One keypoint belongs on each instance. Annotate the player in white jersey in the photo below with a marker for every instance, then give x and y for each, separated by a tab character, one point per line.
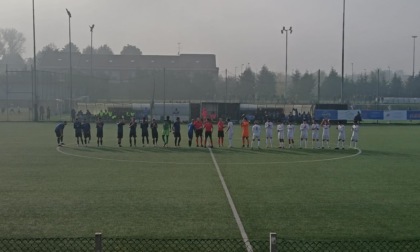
256	133
304	127
325	124
268	133
315	134
280	134
291	134
229	131
354	134
341	135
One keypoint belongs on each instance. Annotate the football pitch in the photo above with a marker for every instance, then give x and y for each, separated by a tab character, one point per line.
174	193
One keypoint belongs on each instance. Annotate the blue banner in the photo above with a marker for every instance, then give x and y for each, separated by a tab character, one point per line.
373	114
325	114
413	115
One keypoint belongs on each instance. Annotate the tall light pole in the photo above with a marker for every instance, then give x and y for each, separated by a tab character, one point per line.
71	69
342	51
284	30
91	49
414	53
35	105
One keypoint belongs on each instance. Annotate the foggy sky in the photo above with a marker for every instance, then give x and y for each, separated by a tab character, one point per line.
378	32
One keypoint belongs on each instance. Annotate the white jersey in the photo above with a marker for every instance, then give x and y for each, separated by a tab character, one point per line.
230	130
256	130
290	131
341	132
268	129
325	132
355	133
315	131
280	131
304	127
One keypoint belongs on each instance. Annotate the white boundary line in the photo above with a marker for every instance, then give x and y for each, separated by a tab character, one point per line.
232	205
59	149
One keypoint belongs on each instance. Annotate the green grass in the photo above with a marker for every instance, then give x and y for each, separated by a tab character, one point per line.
176	192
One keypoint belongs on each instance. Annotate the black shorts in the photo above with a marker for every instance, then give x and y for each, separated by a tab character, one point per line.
120	135
133	134
86	134
78	134
145	134
100	134
177	134
220	134
58	133
155	134
199	132
208	134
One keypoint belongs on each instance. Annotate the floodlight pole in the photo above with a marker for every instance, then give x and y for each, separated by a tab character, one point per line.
414	53
91	49
35	105
71	68
342	52
287	41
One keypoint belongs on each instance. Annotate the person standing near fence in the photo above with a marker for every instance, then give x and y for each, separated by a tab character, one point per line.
99	131
315	134
155	135
48	113
304	127
325	124
229	131
354	135
176	128
190	132
256	133
268	133
86	131
291	134
59	132
208	127
77	125
133	132
165	131
245	132
198	126
120	131
144	125
280	134
220	132
341	135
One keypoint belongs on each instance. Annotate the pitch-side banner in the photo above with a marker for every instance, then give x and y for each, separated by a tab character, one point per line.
346	114
395	115
413	115
373	114
325	114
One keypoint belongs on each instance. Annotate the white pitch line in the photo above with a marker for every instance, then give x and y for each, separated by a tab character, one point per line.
232	205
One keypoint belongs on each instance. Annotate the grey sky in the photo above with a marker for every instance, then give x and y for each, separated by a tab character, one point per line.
378	32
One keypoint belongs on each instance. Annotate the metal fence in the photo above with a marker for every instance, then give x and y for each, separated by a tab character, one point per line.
121	244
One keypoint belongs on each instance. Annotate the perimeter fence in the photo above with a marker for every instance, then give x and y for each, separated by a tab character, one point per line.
108	244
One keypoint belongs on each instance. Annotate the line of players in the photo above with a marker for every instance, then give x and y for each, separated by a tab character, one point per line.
197	126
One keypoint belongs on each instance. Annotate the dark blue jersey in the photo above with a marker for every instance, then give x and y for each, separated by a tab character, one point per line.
190	128
86	127
144	126
99	126
133	127
154	127
120	127
77	126
177	127
59	127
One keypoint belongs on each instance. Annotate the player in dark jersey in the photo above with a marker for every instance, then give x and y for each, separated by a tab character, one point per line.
144	125
59	130
86	131
155	135
77	125
99	130
133	131
176	128
190	132
120	131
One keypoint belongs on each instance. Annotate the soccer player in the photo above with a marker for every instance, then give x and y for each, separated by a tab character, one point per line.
304	127
198	126
155	135
291	134
325	124
256	133
176	128
315	134
220	132
165	131
354	134
86	131
268	133
341	135
190	132
208	127
245	132
99	130
59	131
280	134
77	125
229	131
120	131
144	125
133	131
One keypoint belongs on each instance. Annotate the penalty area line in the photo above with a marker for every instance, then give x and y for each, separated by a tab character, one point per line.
232	205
